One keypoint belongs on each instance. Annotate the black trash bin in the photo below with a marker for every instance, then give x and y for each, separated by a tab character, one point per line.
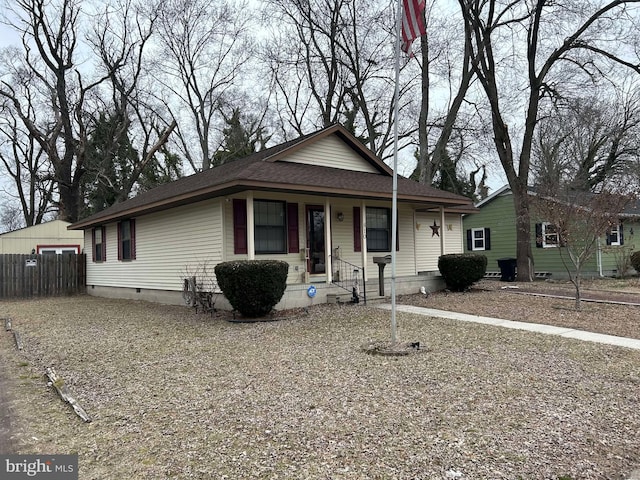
507	269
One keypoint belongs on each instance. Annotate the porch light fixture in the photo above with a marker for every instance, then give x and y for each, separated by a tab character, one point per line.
340	216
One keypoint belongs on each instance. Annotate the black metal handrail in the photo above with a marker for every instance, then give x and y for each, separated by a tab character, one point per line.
349	277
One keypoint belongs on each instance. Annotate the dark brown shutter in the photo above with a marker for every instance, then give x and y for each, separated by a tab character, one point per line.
487	239
104	243
469	240
539	238
119	240
357	231
93	244
239	226
292	228
132	241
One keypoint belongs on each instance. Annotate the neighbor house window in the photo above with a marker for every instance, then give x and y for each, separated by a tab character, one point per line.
270	226
478	239
378	229
127	240
99	244
614	236
547	235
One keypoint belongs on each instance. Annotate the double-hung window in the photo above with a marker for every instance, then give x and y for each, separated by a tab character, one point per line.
378	229
270	226
478	239
614	236
99	240
127	240
550	235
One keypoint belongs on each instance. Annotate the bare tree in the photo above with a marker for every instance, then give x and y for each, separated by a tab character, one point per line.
49	37
120	39
588	143
553	34
27	167
206	47
577	221
57	93
441	127
332	62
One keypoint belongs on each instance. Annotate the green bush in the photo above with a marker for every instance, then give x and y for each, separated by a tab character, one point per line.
635	261
461	270
253	287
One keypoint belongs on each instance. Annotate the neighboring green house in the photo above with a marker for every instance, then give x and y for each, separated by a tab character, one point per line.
492	232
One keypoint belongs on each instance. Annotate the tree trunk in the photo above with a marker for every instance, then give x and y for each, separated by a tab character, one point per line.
578	292
425	169
523	234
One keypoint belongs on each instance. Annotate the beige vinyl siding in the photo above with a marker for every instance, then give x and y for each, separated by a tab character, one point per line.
428	246
169	245
342	234
331	152
25	240
405	261
296	261
453	234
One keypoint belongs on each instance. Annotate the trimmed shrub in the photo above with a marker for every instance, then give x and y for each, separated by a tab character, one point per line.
253	287
461	270
635	261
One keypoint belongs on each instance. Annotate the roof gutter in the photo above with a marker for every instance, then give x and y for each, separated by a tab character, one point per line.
239	185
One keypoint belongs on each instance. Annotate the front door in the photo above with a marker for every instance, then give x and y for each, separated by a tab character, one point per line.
315	239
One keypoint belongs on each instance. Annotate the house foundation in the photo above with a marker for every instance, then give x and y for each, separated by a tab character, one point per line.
295	296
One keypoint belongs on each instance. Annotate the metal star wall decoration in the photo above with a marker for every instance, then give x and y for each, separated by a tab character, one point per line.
435	229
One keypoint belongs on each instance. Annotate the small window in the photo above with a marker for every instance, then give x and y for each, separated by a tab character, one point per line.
613	237
126	240
550	237
378	229
99	250
478	239
270	226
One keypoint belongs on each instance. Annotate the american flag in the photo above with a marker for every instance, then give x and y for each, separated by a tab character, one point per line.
412	22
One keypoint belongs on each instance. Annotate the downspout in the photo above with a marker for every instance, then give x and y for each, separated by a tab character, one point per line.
599	258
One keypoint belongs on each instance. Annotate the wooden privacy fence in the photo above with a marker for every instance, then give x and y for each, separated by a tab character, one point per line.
41	275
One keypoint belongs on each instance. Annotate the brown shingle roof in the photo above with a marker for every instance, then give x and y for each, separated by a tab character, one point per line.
269	170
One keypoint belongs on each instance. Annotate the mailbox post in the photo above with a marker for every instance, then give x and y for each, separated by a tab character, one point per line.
381	262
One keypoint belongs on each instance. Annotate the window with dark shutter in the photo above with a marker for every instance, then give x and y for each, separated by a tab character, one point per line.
127	240
98	244
378	229
270	226
478	239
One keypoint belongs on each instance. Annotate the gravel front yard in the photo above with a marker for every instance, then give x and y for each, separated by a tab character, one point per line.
178	395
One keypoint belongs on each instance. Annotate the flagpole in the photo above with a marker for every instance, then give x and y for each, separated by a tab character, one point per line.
394	196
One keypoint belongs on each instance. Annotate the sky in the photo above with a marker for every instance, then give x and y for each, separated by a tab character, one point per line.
8	36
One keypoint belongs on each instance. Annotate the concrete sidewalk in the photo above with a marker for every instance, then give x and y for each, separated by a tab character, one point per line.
531	327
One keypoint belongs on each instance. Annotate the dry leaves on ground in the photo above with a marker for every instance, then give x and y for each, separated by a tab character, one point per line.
508	301
178	395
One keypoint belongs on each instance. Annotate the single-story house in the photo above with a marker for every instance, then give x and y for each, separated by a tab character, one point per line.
46	238
491	231
321	202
